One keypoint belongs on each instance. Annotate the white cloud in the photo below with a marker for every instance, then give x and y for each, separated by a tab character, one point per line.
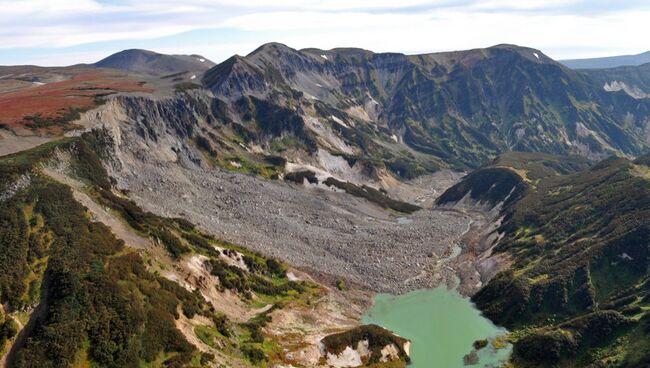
553	26
455	29
323	21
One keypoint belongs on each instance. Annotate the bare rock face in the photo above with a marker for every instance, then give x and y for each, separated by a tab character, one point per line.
12	188
157	161
456	106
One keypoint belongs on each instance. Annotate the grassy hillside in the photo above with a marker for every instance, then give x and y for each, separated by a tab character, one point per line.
578	290
83	297
510	176
89	297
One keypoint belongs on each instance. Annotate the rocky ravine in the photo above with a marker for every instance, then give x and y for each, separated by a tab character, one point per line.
311	227
308	227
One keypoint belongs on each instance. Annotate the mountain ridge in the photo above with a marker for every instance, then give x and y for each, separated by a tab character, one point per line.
459	93
608	61
333	161
150	62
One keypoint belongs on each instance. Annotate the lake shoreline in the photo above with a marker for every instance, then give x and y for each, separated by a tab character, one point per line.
442	325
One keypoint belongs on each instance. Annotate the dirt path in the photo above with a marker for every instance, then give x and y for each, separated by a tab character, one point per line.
121	230
99	213
11	143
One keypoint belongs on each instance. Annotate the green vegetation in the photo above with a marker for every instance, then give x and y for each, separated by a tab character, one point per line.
245	165
287	142
300	176
340	284
535	165
93	291
578	288
185	86
99	305
373	195
8	330
490	186
37	122
266	278
173	245
95	295
510	176
377	337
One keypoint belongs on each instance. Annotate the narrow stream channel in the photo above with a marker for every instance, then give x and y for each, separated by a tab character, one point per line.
442	326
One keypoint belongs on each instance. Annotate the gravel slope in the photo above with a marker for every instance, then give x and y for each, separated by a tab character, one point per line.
312	228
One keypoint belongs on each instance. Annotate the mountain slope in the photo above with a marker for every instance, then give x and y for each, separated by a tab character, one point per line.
90	279
149	62
608	62
329	138
633	80
462	107
577	291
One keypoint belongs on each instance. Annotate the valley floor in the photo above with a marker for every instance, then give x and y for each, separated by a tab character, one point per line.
334	235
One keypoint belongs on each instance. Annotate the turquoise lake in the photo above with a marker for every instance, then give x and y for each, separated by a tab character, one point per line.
442	326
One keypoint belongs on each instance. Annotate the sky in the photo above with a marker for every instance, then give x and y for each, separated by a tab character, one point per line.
64	32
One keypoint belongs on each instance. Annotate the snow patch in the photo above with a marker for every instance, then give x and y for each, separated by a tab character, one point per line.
38	83
537	56
324	57
193	77
372	100
394	137
634	91
202	60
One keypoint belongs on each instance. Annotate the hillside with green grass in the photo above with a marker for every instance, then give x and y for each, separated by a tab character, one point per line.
578	290
80	294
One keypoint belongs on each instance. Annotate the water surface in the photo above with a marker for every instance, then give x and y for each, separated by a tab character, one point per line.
442	326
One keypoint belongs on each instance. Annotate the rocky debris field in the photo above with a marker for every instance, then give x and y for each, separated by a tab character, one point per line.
309	227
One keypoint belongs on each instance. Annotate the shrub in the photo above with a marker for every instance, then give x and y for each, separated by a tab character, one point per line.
340	284
546	346
254	354
372	195
300	176
198	241
377	337
173	245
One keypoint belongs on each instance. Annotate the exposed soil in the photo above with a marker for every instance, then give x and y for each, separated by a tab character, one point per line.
11	143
